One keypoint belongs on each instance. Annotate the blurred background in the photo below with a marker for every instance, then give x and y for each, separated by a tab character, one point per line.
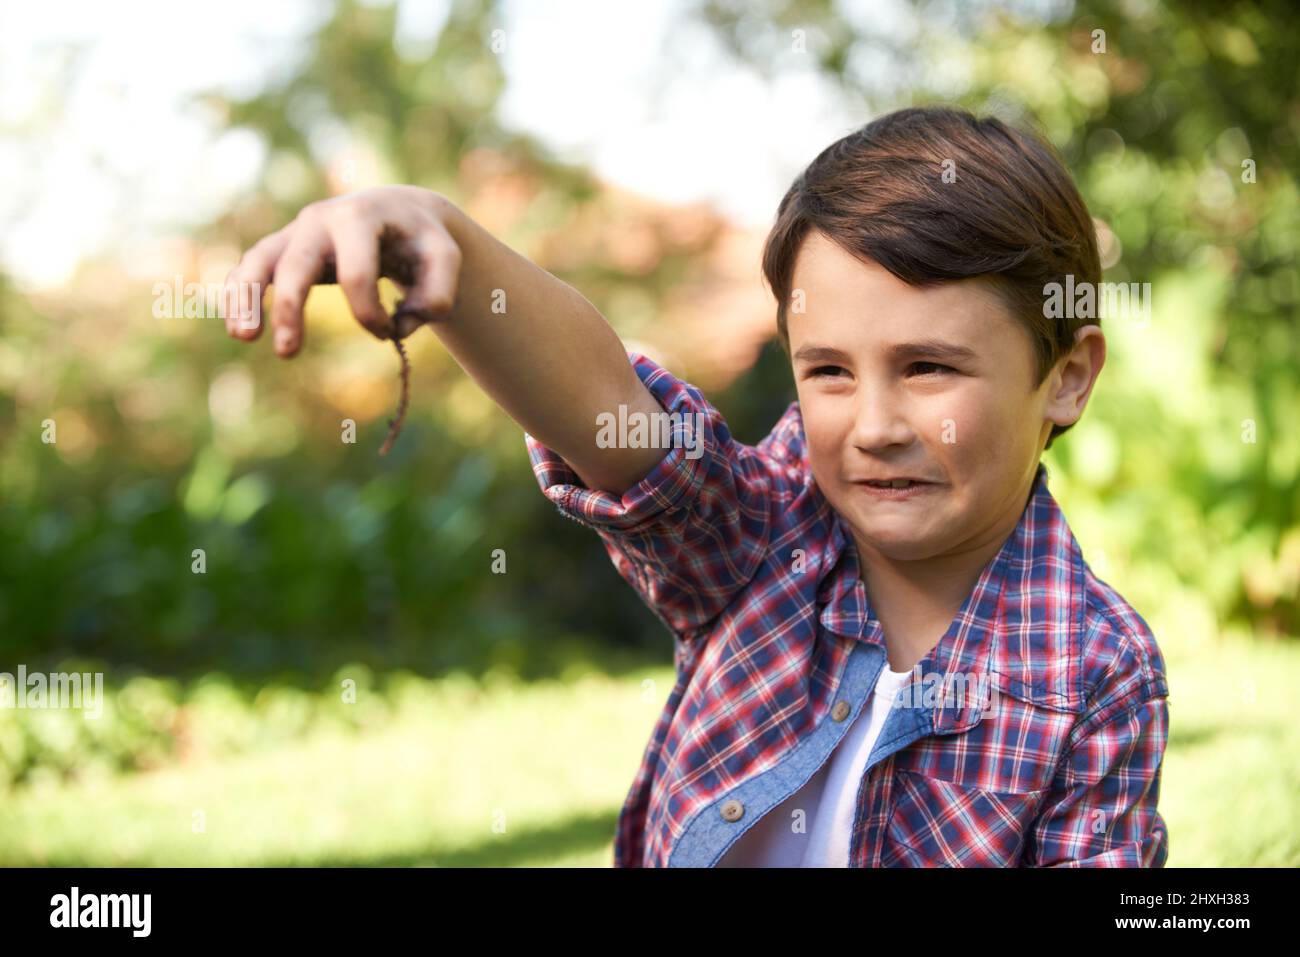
198	532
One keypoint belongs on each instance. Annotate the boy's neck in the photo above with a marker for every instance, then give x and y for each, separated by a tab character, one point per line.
916	601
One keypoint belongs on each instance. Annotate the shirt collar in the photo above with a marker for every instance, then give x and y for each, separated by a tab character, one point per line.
1036	579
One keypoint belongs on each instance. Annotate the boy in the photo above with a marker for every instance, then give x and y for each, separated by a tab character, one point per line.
891	540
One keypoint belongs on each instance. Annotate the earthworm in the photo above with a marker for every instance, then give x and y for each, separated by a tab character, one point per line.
395	423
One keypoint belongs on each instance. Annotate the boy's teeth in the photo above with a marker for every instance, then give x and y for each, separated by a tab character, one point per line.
901	483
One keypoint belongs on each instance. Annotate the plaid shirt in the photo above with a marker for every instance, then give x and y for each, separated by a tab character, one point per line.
738	553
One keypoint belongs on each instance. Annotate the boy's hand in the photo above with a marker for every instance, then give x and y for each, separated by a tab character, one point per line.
395	231
533	343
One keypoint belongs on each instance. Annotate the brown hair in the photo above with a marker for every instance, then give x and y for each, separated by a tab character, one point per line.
1013	215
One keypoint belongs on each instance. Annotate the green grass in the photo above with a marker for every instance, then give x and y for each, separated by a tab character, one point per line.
508	774
1230	792
512	775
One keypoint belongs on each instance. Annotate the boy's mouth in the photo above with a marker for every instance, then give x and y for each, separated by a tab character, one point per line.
893	481
895	488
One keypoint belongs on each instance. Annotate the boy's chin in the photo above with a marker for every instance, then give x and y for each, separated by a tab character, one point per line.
902	545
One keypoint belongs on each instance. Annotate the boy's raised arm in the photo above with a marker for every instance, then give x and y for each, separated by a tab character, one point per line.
531	341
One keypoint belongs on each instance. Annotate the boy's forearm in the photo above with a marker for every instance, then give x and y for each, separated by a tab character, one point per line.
544	354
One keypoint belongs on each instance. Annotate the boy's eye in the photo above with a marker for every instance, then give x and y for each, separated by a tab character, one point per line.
826	371
930	368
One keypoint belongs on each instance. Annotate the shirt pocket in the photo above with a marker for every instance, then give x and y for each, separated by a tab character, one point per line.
935	823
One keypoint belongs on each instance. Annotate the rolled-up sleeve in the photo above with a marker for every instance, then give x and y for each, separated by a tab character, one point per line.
693	532
1101	811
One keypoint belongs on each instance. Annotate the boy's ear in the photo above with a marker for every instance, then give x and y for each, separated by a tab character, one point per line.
1072	380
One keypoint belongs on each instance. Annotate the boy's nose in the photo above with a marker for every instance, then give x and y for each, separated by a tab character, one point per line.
880	422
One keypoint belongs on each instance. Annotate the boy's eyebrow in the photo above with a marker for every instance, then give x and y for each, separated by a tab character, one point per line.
930	349
920	349
820	354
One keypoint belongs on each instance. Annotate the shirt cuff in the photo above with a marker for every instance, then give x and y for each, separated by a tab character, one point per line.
672	484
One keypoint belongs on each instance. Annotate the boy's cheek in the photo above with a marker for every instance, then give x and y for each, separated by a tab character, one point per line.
975	429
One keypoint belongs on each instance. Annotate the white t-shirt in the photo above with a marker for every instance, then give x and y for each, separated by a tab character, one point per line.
828	798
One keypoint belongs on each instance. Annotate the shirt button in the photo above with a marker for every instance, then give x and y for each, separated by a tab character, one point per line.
732	810
841	710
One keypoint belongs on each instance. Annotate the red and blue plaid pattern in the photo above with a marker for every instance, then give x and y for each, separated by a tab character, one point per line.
776	652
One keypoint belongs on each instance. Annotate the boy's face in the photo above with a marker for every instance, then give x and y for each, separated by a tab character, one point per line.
935	384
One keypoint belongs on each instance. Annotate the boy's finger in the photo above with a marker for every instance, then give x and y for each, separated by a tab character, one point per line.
356	264
434	292
408	319
241	297
295	272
